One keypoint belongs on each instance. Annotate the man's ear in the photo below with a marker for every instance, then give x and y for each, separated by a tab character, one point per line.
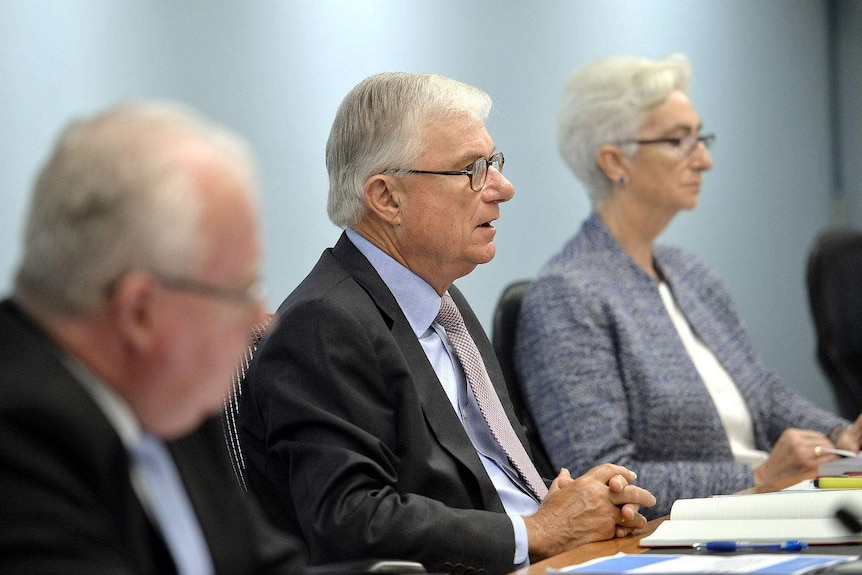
383	198
132	301
612	162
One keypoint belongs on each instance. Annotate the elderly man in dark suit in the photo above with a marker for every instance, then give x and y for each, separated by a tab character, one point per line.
375	419
130	308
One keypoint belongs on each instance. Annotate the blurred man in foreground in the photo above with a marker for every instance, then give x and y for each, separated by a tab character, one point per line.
131	305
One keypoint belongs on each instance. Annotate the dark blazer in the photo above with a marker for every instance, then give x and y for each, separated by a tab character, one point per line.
67	503
349	438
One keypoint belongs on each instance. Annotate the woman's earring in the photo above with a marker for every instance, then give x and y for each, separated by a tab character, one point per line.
622	180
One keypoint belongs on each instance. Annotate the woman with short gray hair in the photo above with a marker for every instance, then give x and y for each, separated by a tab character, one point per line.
633	353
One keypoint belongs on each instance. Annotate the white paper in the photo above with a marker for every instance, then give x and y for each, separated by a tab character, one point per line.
775	563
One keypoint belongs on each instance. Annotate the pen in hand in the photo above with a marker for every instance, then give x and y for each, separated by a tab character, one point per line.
745	546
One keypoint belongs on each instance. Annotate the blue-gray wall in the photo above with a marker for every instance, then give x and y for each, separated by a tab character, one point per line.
847	17
276	71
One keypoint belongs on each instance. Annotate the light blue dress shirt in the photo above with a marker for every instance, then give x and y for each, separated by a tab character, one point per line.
420	304
157	482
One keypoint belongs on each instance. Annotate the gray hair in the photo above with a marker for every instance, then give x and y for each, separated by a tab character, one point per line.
379	125
604	103
115	196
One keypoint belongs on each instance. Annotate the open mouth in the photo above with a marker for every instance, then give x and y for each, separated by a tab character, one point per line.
488	224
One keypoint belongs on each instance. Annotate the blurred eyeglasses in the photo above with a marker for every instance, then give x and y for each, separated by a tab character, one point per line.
248	296
684	145
478	172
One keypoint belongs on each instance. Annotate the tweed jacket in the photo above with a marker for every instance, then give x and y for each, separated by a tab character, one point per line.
607	378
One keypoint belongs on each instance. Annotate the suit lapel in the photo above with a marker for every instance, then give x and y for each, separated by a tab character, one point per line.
439	415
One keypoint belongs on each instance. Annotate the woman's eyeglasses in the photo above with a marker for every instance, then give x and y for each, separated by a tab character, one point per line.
684	144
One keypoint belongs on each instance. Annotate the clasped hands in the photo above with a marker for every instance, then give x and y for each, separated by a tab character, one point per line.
598	505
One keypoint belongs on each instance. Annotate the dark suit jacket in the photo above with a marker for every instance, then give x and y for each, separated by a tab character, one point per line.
349	438
66	499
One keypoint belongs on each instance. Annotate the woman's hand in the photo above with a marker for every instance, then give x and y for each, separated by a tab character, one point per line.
851	437
797	451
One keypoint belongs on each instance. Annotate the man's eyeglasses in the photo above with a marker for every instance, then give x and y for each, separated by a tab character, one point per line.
478	172
244	296
685	145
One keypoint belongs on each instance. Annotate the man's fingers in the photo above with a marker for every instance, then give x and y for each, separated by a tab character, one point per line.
634	495
629	520
617	483
561	480
606	471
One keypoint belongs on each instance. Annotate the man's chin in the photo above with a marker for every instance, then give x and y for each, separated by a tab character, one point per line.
486	254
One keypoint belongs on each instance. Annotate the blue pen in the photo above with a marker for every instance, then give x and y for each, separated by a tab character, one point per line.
745	546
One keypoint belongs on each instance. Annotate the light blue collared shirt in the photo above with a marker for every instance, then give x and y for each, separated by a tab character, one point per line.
420	304
187	546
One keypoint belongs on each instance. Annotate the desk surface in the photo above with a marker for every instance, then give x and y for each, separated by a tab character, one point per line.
592	550
629	544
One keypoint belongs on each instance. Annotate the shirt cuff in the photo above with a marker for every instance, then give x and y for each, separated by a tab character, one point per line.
522	555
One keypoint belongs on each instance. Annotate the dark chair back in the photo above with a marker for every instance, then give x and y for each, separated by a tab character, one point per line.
834	278
503	337
231	403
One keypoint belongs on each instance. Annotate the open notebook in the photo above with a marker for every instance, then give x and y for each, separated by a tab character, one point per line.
760	518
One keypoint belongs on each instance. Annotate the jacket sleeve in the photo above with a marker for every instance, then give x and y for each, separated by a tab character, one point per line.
332	391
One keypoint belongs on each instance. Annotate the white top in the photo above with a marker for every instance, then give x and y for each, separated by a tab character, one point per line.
731	406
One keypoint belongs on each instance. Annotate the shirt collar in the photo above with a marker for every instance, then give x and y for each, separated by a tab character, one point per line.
116	410
416	298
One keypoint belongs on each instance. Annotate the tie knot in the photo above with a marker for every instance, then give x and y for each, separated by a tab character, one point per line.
449	316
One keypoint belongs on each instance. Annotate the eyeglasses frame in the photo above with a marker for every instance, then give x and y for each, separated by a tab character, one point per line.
249	296
489	163
706	139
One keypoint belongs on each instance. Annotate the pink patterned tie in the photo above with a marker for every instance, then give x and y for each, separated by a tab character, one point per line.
489	403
